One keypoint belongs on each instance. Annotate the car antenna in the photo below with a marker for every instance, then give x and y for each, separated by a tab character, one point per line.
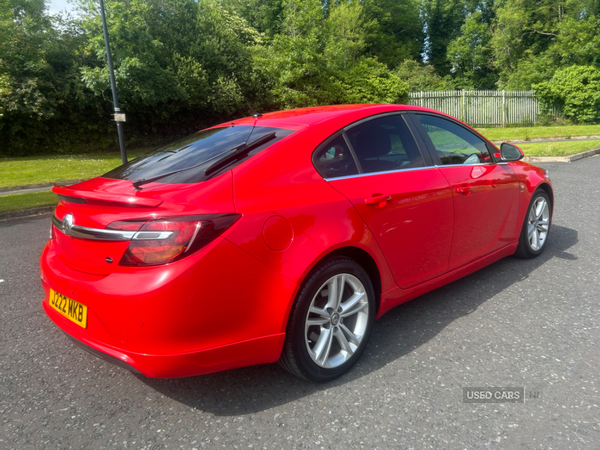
255	115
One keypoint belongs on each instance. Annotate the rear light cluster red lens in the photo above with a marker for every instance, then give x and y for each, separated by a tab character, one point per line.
175	237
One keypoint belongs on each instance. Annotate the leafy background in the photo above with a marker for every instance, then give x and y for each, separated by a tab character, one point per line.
182	65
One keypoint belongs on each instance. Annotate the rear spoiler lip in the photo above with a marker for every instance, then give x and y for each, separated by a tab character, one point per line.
117	199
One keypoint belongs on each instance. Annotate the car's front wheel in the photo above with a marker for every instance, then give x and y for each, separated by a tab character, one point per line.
536	226
330	322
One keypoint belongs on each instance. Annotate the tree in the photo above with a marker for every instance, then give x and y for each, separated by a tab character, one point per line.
471	55
575	91
578	41
422	77
443	21
394	30
525	28
532	39
25	75
198	76
266	16
40	87
141	68
320	60
293	65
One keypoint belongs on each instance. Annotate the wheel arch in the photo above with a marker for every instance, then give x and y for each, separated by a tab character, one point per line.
546	188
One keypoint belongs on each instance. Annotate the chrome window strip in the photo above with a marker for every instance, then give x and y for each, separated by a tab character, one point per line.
469	165
368	174
358	175
98	234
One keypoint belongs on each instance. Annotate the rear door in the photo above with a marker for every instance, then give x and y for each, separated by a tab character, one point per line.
485	192
404	200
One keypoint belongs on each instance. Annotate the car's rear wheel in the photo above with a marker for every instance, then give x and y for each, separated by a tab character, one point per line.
330	322
536	226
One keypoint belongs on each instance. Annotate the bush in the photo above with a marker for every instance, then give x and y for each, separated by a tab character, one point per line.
575	91
422	77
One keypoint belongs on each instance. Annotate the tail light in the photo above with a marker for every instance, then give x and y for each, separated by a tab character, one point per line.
160	241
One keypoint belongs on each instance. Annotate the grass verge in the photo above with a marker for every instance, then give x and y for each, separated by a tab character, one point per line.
23	171
525	133
16	202
558	148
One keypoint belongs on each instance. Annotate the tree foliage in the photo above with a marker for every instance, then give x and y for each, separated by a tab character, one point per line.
471	55
422	77
185	64
575	90
318	60
394	30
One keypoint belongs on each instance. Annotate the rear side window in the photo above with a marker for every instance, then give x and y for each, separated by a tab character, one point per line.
385	144
191	156
333	158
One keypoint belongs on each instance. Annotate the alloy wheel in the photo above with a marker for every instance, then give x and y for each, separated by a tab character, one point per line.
337	320
539	223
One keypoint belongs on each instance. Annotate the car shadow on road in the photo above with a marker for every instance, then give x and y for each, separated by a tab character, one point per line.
397	333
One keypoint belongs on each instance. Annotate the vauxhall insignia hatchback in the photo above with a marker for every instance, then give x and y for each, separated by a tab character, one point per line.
283	237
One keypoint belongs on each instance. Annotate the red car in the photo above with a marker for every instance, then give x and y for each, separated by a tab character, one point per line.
282	237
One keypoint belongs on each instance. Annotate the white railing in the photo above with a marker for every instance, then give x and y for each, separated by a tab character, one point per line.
483	108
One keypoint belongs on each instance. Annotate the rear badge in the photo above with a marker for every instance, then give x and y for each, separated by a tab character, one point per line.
68	223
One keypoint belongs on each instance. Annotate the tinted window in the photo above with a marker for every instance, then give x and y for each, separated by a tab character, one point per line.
453	143
334	159
384	144
194	154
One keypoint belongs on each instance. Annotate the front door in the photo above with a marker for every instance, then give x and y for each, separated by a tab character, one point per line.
485	193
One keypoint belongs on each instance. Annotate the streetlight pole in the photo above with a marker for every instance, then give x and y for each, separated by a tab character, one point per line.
119	117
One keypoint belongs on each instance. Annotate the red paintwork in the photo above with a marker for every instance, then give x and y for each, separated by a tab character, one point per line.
227	305
420	200
486	200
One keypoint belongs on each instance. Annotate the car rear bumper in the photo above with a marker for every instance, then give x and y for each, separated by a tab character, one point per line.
202	362
215	310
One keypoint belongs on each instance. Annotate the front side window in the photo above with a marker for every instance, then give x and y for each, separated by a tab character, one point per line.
384	144
454	144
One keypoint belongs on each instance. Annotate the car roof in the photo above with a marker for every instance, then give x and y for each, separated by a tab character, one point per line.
296	119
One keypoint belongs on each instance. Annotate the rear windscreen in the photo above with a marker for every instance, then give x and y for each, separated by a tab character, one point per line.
194	154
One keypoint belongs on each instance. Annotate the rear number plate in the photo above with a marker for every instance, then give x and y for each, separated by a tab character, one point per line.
72	310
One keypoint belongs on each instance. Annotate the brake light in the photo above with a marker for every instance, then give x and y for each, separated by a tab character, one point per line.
174	237
126	225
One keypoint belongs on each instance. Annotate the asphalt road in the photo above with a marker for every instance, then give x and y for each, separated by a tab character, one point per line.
534	324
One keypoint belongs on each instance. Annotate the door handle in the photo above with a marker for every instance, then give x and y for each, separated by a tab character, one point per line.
466	190
378	200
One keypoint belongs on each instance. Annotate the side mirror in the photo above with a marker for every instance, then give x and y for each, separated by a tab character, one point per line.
510	152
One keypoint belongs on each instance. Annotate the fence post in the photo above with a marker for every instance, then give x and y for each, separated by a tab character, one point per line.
463	106
422	101
503	107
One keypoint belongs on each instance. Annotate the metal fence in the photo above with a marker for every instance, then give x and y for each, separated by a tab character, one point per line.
483	108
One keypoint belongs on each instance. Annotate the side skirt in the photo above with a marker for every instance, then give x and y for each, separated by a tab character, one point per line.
397	296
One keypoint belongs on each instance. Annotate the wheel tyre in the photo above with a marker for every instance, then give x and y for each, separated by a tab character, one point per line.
295	356
541	221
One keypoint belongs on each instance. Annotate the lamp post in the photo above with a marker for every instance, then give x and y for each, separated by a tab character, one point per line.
119	117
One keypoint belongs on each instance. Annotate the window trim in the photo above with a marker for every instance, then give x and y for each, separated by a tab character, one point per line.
370	174
431	147
423	150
